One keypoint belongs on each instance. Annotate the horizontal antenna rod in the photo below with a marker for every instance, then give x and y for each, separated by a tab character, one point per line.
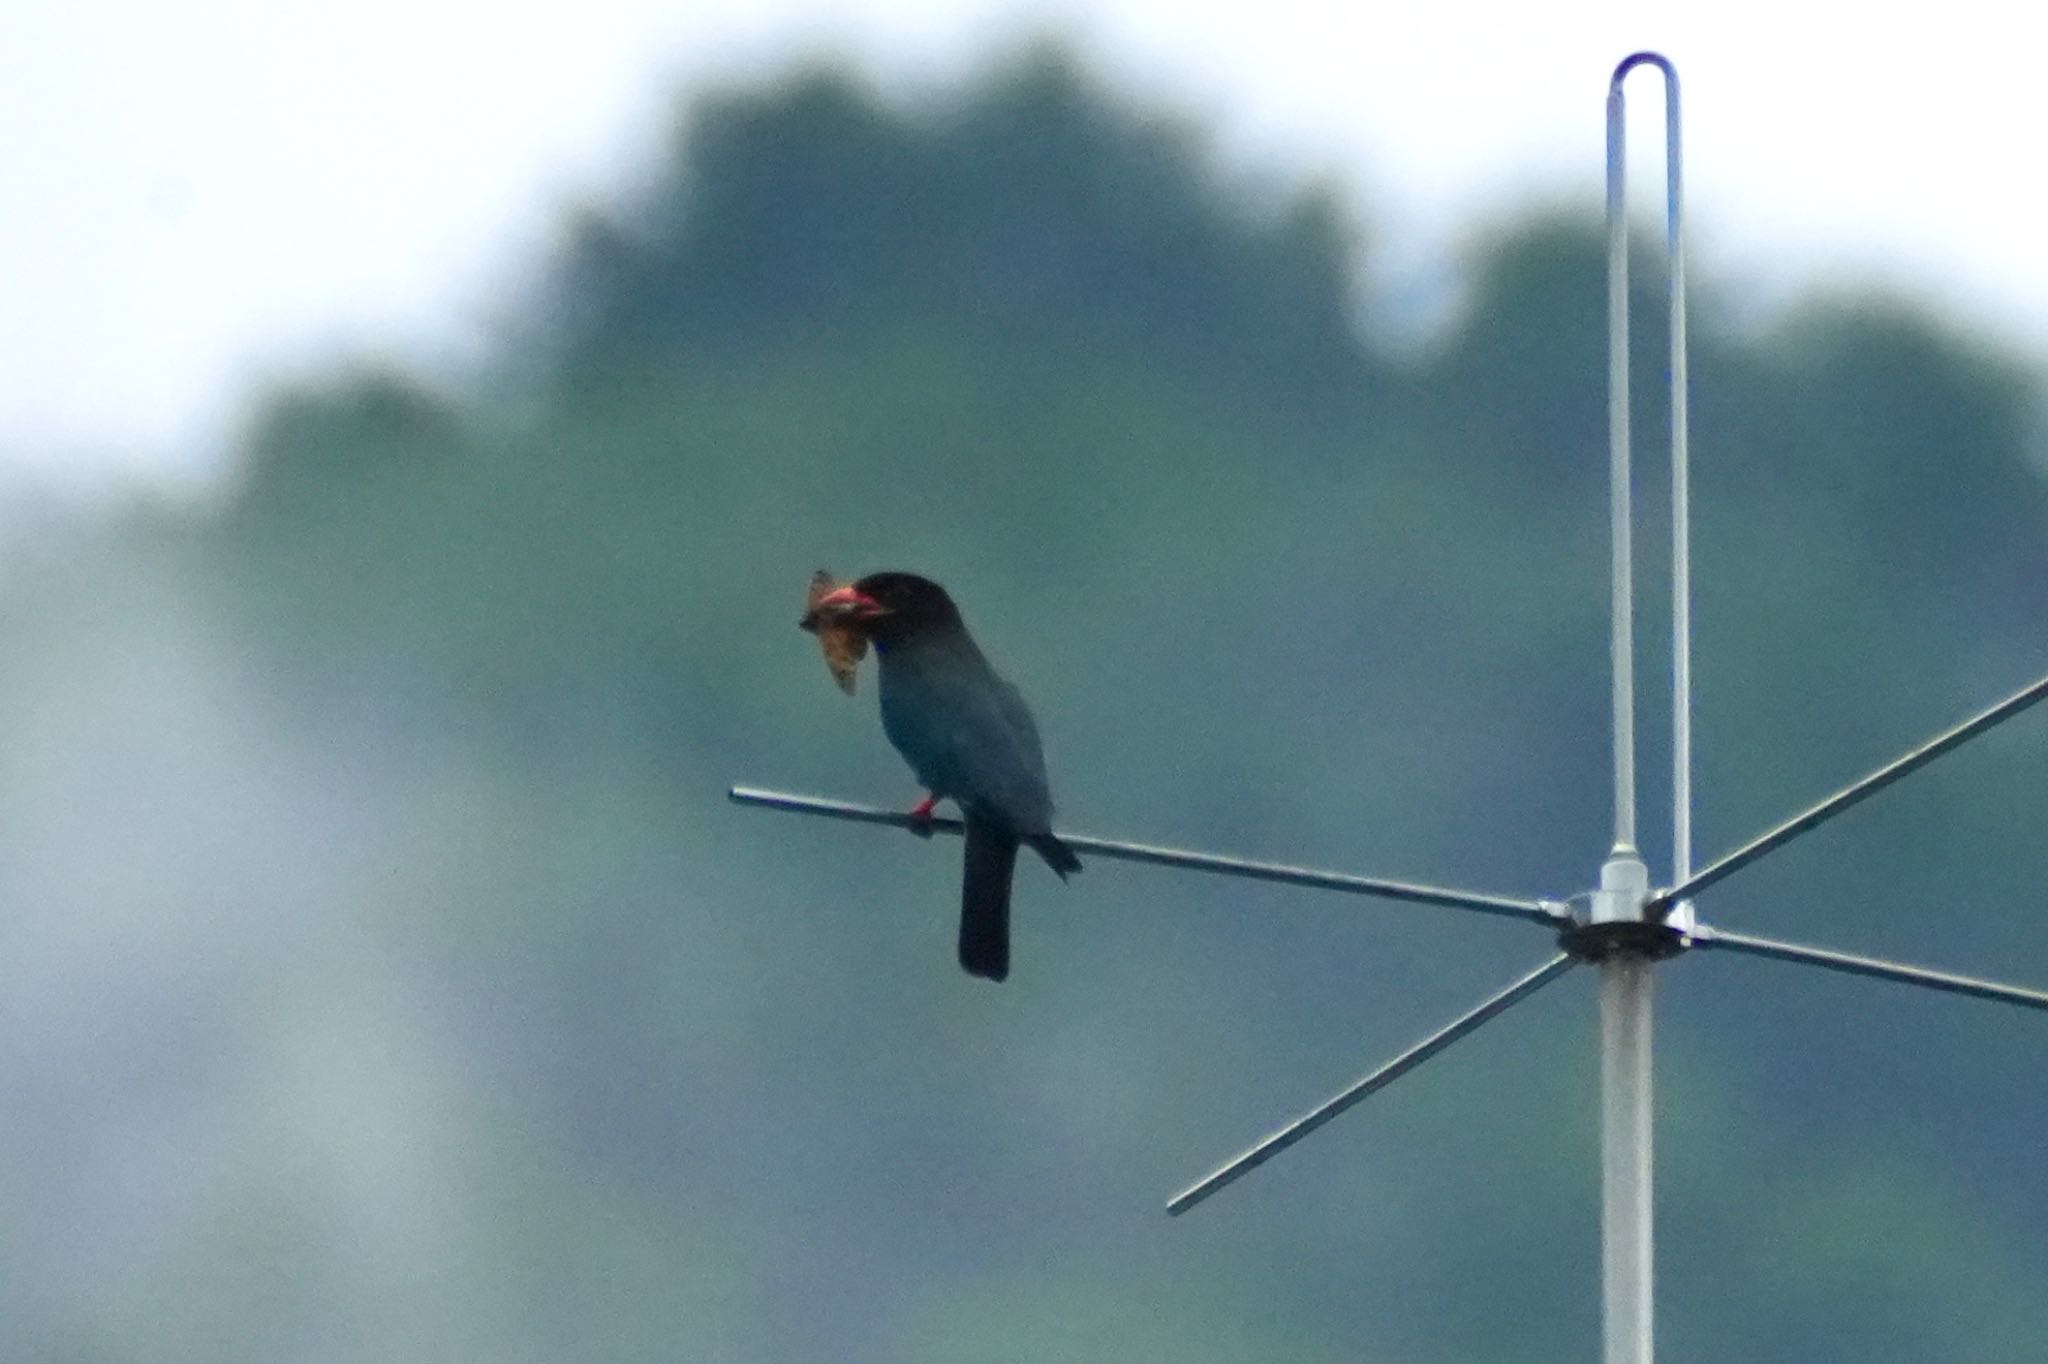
1851	964
1848	796
1378	1080
1535	911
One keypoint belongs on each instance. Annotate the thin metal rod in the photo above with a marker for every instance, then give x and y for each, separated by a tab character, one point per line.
1534	911
1851	794
1626	1155
1378	1080
1621	629
1681	490
1854	965
1627	1245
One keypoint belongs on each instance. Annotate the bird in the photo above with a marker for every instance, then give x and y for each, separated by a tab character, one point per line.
967	735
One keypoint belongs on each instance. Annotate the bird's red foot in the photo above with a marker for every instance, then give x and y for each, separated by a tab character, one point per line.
921	816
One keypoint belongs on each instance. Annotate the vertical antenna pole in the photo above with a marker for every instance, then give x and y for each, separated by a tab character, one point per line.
1626	1183
1621	641
1681	498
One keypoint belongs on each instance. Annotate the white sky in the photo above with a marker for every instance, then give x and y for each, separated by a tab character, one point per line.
204	194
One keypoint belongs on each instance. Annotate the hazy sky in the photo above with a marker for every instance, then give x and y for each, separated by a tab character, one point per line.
205	194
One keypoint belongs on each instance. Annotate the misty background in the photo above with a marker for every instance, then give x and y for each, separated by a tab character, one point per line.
387	977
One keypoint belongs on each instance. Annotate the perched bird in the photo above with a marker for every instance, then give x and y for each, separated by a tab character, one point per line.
967	735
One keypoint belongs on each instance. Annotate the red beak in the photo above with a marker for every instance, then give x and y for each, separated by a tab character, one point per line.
853	602
845	603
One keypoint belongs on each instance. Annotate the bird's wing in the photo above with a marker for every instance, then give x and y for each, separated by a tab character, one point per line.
968	735
1006	763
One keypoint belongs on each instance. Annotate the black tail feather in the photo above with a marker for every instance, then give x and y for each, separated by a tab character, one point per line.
1057	855
985	899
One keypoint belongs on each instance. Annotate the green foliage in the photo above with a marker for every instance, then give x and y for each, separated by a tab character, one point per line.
1032	207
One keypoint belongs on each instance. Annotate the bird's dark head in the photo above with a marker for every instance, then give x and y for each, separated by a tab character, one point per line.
892	607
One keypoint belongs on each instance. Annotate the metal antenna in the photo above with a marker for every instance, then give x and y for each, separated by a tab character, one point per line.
1627	1186
1626	930
1550	912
